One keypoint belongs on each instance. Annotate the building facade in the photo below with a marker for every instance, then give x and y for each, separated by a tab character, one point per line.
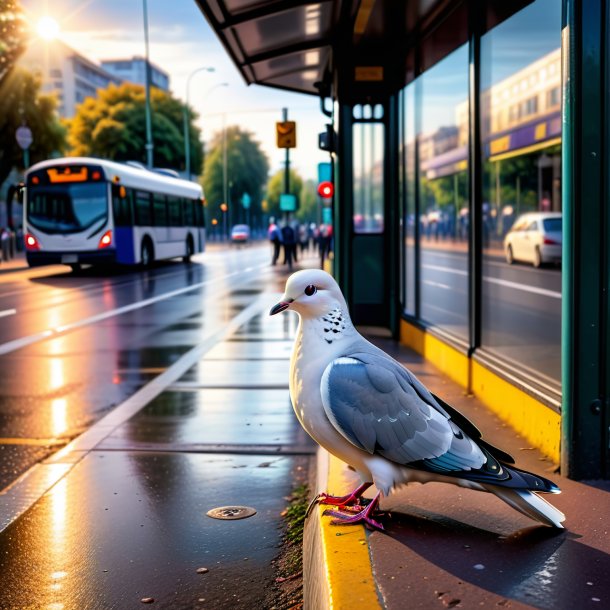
134	71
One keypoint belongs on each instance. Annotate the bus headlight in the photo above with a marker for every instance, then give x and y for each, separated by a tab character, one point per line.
106	240
31	243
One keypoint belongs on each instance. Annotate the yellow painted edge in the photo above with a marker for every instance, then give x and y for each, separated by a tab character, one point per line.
349	573
536	422
451	362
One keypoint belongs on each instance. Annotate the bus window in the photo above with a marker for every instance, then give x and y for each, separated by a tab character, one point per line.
142	209
121	206
199	219
160	210
187	206
174	208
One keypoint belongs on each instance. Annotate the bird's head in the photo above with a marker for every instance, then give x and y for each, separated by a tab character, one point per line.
311	293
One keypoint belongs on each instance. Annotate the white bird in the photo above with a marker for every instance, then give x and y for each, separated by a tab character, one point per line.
368	410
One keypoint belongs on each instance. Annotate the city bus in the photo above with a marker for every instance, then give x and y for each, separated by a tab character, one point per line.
90	211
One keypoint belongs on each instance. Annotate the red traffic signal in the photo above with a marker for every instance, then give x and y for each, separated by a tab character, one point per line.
326	190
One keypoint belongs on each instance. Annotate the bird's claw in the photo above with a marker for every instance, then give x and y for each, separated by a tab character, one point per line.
360	517
343	502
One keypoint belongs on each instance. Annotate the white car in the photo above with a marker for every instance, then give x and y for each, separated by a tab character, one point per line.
534	238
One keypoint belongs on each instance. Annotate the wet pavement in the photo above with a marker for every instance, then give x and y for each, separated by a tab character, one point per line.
127	522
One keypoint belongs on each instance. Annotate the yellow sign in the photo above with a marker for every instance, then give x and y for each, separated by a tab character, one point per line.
286	134
67	175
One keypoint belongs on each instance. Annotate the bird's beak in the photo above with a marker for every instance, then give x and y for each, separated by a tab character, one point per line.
280	306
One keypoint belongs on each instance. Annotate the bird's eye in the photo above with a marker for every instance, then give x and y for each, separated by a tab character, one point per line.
310	290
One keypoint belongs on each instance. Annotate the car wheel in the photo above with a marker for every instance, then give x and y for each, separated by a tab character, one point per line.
537	258
147	256
510	259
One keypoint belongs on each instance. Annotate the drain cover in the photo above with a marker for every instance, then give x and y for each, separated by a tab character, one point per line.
231	512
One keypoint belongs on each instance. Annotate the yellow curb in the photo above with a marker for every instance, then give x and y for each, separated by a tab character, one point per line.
345	579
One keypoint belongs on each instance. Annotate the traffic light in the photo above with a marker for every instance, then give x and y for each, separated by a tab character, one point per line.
326	189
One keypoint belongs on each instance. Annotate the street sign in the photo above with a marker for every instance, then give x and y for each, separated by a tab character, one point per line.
325	172
246	200
24	138
286	134
288	203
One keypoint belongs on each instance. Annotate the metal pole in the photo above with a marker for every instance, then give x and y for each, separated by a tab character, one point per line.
287	166
149	140
224	162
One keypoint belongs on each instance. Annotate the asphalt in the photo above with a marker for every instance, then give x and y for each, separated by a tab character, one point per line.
119	518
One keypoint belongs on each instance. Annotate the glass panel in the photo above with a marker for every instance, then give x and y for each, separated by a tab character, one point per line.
521	132
142	209
442	104
160	210
368	177
67	208
410	220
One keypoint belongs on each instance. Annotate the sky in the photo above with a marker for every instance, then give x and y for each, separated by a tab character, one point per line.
181	41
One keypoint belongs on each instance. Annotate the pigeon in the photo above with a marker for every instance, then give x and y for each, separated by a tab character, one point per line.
372	413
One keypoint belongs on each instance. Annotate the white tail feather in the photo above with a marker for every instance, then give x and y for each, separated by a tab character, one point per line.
530	504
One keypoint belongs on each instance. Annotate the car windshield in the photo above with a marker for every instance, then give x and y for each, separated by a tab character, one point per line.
552	225
241	229
67	208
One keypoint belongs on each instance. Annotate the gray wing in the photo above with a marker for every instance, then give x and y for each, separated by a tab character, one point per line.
380	408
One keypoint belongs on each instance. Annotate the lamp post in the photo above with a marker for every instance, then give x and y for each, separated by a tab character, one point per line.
149	140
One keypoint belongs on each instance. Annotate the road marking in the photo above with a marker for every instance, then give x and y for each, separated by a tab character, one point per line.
524	287
18	497
8	312
437	284
16	344
494	280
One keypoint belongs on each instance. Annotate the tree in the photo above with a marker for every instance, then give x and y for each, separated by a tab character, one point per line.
113	126
247	168
22	104
308	205
12	36
276	187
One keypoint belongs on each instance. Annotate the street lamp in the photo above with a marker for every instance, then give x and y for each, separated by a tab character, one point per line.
185	117
149	140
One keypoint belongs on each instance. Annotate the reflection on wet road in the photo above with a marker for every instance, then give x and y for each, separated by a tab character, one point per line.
203	420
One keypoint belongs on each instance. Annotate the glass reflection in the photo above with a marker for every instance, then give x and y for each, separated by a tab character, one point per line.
410	213
442	108
368	176
521	144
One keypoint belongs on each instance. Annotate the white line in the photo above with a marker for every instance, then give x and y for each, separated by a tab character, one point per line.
524	287
437	284
493	280
22	342
8	312
38	480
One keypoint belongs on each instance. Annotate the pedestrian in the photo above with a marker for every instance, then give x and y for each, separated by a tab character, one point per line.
275	237
289	240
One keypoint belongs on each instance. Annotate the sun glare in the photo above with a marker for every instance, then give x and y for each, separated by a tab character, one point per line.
47	28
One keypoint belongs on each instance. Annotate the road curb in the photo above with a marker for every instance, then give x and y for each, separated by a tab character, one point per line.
337	568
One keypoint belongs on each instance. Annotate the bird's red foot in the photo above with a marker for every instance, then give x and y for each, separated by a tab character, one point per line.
362	516
349	500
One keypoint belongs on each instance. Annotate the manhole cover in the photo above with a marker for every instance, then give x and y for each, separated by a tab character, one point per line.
231	512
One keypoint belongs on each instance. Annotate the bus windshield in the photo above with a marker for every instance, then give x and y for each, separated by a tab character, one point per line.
67	208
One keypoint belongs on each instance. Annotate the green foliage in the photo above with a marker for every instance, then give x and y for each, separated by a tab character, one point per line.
275	188
247	167
12	36
22	104
308	207
113	126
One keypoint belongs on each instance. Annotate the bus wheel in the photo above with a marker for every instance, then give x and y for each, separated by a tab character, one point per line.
147	255
189	250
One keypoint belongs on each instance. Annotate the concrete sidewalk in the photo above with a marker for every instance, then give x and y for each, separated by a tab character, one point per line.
449	547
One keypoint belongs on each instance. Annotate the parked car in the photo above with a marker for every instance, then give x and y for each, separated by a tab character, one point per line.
534	238
240	234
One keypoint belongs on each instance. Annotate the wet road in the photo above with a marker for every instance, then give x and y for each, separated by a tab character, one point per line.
203	420
74	346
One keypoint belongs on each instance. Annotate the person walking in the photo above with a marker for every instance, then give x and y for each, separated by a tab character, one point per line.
289	240
275	237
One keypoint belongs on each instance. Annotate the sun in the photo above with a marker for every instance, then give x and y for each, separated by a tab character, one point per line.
47	28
